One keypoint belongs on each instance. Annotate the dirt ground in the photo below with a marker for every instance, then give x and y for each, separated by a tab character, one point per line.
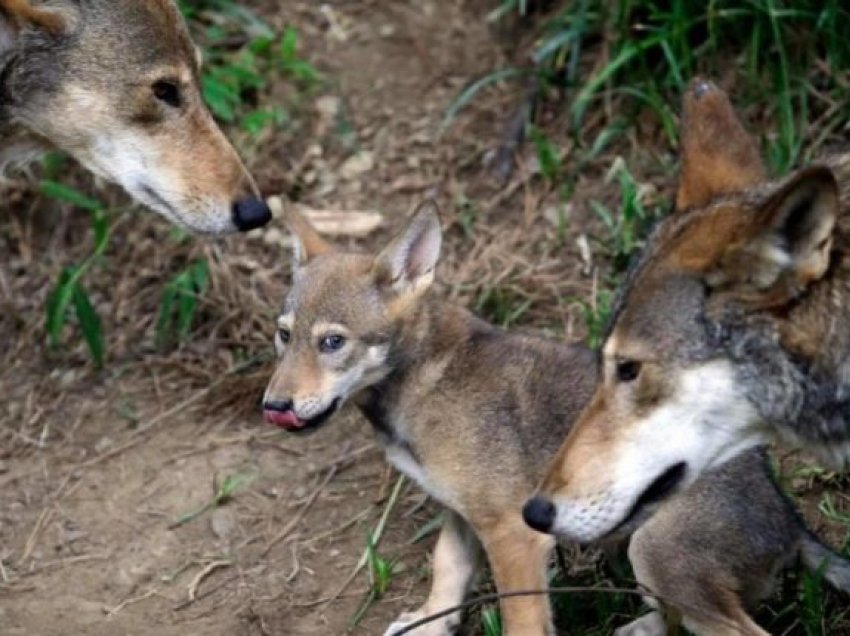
99	470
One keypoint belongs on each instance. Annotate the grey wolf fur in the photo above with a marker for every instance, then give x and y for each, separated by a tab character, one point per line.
714	549
731	329
470	412
116	84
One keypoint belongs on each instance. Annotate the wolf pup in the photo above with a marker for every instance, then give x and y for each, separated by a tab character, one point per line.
733	327
116	84
473	414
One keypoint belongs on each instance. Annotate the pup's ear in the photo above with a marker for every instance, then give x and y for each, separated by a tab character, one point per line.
19	15
718	156
307	244
406	266
785	246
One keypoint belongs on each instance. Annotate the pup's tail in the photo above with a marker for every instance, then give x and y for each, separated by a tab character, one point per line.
819	558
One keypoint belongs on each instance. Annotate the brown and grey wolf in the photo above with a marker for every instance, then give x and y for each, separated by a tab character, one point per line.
470	412
732	328
116	84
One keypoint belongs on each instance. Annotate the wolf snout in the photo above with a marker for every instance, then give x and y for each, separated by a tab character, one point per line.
539	513
251	213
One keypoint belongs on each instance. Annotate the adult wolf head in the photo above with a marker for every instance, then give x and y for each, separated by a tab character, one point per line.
116	84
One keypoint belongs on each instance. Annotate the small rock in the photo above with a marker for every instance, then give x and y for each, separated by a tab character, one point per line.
357	165
223	523
387	30
328	107
4	466
103	444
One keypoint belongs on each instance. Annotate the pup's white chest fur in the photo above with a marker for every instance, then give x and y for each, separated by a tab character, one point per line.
400	457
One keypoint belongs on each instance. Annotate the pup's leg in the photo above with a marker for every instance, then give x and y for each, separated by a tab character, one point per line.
456	558
652	624
518	558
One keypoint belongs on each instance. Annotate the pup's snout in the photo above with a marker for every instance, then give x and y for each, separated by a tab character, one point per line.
539	513
250	213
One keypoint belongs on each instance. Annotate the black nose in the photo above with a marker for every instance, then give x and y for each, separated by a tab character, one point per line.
250	213
283	406
539	513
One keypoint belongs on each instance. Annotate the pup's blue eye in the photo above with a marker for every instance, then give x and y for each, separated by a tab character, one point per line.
167	92
331	343
284	335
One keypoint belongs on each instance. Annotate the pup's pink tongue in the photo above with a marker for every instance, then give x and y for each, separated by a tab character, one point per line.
284	419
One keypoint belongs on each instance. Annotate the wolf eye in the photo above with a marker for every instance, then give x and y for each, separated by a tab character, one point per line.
167	92
331	343
284	335
628	370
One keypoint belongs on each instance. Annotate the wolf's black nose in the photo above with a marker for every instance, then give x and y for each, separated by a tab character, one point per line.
250	213
539	513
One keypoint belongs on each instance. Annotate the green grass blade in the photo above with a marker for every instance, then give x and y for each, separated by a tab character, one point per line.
473	89
89	324
58	303
67	194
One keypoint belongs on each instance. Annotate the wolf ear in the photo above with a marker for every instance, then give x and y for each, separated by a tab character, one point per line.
406	266
307	243
788	243
718	156
17	15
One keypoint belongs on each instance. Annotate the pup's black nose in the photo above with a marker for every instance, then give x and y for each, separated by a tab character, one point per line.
250	213
539	513
281	406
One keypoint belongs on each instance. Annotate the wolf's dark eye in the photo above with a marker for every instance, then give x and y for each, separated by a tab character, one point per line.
167	92
284	335
628	370
331	343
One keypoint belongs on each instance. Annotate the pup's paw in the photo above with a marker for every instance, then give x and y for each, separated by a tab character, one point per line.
651	624
445	626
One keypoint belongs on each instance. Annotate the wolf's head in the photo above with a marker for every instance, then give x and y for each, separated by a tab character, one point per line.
116	84
344	316
669	401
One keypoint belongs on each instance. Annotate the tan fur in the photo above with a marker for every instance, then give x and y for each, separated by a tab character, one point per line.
23	12
718	156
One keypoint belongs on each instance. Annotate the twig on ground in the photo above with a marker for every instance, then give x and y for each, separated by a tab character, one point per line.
341	461
200	576
340	528
112	611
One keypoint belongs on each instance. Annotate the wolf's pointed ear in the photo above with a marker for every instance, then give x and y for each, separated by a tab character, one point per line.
718	156
406	266
307	243
785	247
17	15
